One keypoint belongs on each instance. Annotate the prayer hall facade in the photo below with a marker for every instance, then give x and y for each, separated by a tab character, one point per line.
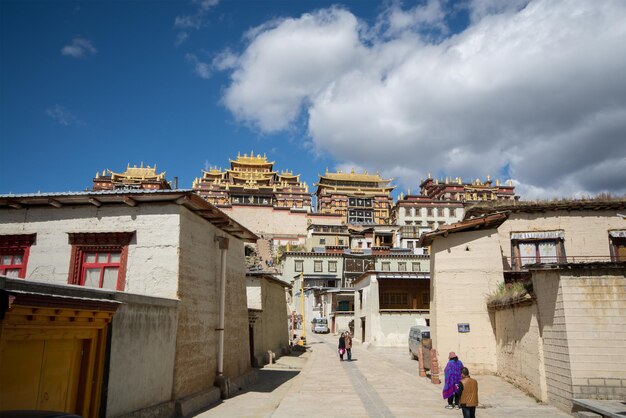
252	181
359	198
143	178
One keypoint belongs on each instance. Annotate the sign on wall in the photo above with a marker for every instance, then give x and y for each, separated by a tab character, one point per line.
463	327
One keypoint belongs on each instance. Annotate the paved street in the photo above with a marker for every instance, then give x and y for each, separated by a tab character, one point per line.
380	382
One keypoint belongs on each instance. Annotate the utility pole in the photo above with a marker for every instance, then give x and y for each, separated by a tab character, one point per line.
303	336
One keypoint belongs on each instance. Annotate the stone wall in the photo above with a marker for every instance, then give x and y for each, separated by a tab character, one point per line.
520	348
199	286
585	338
141	366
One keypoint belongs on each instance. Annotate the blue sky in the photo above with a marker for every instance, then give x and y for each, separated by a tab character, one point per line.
401	87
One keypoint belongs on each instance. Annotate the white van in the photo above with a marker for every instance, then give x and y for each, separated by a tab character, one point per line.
416	335
320	325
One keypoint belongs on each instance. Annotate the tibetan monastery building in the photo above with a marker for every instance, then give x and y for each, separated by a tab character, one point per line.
360	198
133	178
264	200
475	191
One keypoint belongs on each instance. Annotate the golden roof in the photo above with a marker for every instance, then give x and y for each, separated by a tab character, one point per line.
352	176
251	159
138	173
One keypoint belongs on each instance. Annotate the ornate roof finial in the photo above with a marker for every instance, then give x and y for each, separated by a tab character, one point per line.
429	176
488	177
352	171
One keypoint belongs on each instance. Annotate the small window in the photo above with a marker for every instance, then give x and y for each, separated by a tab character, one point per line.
416	266
386	266
322	241
618	245
360	299
544	247
299	266
317	266
402	266
14	251
332	266
341	242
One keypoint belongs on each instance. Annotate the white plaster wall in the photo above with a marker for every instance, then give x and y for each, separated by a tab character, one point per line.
275	335
369	310
266	220
361	310
253	292
586	232
394	328
424	263
460	282
143	343
342	323
152	267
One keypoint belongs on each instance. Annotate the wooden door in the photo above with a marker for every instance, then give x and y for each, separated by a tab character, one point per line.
40	374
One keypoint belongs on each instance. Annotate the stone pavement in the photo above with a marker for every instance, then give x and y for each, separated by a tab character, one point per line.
380	382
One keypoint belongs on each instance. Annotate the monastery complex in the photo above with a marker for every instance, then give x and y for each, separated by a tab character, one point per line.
155	300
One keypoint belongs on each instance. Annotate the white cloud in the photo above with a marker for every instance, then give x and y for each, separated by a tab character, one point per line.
63	116
201	69
534	92
181	38
197	19
79	47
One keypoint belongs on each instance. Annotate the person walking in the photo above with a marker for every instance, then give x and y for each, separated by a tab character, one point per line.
469	394
342	345
348	340
452	374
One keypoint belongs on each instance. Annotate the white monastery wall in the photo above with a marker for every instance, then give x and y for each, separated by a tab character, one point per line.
268	221
465	268
152	267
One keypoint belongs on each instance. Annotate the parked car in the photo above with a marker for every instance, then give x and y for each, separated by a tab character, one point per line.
320	325
417	334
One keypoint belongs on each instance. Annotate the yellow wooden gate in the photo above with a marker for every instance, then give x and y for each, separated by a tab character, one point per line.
52	358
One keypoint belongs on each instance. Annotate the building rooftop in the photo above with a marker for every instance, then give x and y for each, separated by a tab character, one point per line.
131	197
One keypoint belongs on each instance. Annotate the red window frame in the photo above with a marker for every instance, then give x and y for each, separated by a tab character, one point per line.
16	245
100	242
102	266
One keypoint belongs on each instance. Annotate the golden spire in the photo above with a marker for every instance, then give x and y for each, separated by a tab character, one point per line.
488	177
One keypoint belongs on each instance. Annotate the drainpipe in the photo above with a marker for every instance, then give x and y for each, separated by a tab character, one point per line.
221	381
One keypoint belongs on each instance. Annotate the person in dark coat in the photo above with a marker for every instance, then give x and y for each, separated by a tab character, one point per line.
342	345
348	339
